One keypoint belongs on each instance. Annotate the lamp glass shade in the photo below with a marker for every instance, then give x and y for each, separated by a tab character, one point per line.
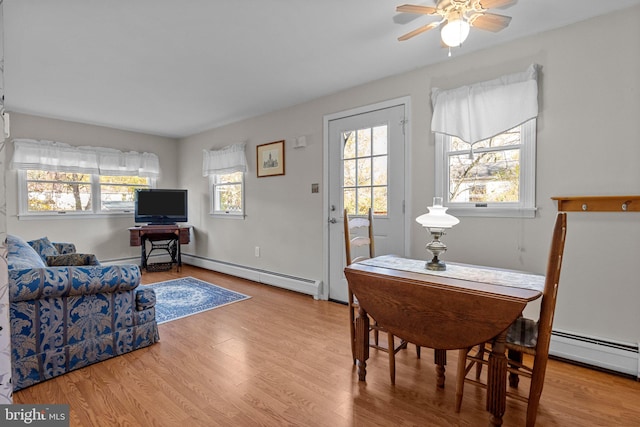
455	32
437	218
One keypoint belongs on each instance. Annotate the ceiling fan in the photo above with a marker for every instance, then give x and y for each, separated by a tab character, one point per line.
458	16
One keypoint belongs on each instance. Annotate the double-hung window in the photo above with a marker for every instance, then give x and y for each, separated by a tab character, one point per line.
226	168
486	146
227	194
117	192
46	192
56	179
493	177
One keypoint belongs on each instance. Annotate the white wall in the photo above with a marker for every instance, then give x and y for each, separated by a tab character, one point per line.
108	238
282	216
588	144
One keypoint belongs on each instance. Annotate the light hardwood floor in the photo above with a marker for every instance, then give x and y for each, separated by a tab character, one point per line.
281	358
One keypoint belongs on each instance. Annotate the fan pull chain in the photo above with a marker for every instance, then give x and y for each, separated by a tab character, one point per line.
449	51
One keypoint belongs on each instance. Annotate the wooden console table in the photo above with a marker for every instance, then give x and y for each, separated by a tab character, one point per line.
161	237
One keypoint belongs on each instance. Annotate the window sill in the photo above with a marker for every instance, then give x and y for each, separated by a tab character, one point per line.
70	215
227	216
493	212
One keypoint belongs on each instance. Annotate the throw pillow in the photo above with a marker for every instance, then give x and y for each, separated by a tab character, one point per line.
21	255
72	259
44	247
65	248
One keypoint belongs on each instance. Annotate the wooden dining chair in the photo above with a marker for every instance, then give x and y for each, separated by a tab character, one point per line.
359	245
524	336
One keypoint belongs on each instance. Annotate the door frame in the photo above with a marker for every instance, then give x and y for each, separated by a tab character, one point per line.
404	101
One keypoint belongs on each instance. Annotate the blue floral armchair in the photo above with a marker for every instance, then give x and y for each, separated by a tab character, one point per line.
67	317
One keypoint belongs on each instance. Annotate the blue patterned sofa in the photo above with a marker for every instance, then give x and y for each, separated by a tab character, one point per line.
67	317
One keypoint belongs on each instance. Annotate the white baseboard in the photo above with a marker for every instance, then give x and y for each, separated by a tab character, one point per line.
298	284
597	352
121	261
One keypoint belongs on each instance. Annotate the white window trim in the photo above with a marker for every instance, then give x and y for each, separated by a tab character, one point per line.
95	212
524	209
220	214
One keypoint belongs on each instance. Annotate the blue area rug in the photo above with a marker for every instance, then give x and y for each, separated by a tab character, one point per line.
186	296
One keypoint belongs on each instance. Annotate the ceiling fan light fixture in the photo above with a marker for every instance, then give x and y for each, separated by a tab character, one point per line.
455	32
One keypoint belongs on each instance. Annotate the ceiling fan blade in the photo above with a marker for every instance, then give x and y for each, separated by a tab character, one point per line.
412	8
419	30
491	4
489	21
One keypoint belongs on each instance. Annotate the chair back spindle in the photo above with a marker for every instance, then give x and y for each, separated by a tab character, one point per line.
355	242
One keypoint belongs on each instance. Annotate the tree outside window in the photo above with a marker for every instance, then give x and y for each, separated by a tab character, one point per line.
493	177
488	171
59	192
228	194
365	171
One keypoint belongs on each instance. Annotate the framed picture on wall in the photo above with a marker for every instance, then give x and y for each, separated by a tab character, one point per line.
270	159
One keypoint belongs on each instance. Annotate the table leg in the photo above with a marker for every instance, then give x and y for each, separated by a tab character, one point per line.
497	380
179	253
143	254
440	359
362	343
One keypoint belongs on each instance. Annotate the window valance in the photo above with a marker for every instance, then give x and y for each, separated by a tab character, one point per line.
226	160
60	157
476	112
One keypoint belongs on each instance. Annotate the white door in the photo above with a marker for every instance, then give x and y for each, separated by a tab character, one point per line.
366	169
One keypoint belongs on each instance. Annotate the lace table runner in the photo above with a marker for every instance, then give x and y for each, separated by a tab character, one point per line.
474	273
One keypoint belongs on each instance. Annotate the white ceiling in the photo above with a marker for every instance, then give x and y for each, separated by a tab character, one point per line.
176	68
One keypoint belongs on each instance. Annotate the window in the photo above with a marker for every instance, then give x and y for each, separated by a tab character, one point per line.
225	168
55	193
55	178
493	177
227	194
117	192
365	170
486	146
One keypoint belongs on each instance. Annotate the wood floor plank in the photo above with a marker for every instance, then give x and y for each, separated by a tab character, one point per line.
282	358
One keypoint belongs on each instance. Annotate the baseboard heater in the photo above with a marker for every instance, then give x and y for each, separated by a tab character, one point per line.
596	352
292	283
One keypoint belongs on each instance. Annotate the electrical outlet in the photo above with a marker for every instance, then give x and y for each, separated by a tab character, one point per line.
257	251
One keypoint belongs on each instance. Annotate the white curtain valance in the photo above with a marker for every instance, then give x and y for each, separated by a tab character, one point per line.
117	163
52	156
229	159
60	157
476	112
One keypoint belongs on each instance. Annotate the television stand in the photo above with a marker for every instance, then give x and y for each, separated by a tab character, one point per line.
160	237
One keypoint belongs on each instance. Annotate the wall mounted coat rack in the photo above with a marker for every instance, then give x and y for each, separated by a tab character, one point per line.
598	203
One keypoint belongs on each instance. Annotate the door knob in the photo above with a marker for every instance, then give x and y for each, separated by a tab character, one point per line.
332	220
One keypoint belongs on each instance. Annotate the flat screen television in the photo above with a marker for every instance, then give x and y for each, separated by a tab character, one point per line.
160	206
